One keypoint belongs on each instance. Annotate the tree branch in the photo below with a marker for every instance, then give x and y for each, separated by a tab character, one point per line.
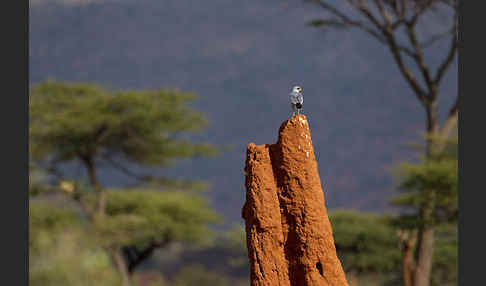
396	55
346	21
393	14
403	8
365	11
139	257
413	39
120	167
419	56
343	21
451	120
331	9
423	7
384	14
437	37
136	257
447	61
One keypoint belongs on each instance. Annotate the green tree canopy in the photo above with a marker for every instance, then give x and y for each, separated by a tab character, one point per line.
364	242
62	251
444	269
142	217
437	173
136	220
94	125
368	248
83	121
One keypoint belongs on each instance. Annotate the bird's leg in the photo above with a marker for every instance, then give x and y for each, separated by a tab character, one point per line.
298	111
293	110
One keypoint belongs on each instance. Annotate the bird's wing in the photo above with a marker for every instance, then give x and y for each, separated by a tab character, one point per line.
300	98
293	98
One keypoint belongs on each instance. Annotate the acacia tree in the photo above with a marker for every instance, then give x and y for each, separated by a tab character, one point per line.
365	243
94	126
134	219
398	24
438	172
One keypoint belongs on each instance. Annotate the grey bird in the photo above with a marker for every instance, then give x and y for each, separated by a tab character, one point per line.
296	99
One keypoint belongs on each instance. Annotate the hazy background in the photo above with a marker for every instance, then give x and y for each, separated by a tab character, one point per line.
242	58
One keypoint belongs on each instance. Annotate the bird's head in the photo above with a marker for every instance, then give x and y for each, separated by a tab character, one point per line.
297	89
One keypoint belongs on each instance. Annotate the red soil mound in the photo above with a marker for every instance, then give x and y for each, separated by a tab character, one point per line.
289	236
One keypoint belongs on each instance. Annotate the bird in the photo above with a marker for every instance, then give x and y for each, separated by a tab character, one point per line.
296	99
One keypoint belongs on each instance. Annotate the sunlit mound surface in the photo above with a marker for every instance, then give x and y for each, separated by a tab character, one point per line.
289	235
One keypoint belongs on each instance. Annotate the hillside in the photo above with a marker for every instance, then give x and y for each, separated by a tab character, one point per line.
242	57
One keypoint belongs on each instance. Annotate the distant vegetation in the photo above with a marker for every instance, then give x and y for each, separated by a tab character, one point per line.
370	249
159	231
95	126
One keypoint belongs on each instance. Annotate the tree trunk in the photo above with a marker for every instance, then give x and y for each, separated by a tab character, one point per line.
101	201
408	244
426	234
353	278
135	258
99	212
407	269
424	258
425	246
120	266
